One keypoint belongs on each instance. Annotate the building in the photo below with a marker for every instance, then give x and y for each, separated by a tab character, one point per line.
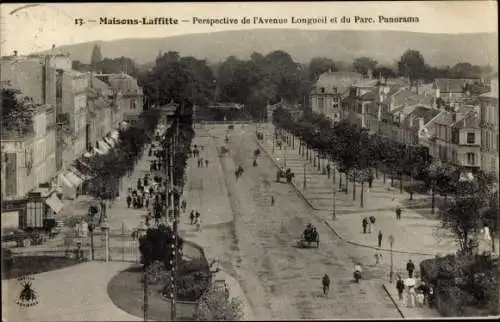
466	142
129	96
99	114
29	157
454	137
33	77
489	129
328	92
74	113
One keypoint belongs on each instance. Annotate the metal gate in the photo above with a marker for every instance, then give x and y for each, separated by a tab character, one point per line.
122	246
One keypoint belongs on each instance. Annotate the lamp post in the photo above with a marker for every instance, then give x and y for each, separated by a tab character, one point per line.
305	176
391	273
334	216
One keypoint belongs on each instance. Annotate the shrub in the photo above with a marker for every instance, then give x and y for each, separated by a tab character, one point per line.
214	305
193	280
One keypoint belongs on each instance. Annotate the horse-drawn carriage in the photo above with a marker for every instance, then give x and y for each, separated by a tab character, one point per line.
310	237
288	175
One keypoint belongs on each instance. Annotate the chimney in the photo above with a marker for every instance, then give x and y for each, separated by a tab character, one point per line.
421	123
15	53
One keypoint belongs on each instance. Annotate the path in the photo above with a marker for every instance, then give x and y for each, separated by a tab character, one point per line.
76	293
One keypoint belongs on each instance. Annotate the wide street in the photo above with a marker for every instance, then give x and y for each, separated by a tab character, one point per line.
280	280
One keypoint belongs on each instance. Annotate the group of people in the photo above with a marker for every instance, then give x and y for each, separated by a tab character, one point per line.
310	232
367	224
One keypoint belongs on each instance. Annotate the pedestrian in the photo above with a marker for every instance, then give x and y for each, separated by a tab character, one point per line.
272	200
328	169
326	284
430	296
184	205
400	286
379	237
129	201
398	212
198	224
206	163
139	183
364	223
191	217
423	288
146	201
369	226
197	216
201	162
410	267
370	182
378	256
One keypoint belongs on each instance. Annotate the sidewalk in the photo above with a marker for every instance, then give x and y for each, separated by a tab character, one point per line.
207	193
413	234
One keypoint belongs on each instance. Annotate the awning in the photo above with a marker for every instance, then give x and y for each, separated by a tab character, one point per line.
73	178
65	181
115	135
54	203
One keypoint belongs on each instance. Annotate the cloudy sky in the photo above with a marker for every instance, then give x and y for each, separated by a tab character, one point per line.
37	27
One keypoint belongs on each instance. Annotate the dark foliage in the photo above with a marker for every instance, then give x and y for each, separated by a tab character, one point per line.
156	245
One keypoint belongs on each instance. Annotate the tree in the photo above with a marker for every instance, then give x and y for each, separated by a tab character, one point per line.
363	64
215	305
463	219
96	56
412	65
384	72
465	70
156	246
320	65
16	112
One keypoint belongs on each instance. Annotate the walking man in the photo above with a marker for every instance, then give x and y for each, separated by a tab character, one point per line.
379	237
197	217
378	256
191	217
326	284
410	267
364	223
400	286
398	212
272	200
129	201
206	163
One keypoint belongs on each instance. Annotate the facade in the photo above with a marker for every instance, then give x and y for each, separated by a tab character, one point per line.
490	129
29	159
454	137
99	112
33	77
466	142
329	90
74	106
129	97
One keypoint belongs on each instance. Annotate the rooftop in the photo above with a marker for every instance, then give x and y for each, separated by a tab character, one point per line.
453	85
471	120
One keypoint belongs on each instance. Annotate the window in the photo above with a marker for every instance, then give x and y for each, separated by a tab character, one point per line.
471	138
471	158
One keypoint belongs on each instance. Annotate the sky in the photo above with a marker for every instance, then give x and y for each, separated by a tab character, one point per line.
37	27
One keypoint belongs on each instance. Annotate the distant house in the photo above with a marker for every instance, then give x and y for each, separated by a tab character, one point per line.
490	129
329	90
451	89
454	137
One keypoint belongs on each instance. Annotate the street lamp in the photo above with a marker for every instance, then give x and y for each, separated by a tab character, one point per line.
305	176
334	216
391	274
